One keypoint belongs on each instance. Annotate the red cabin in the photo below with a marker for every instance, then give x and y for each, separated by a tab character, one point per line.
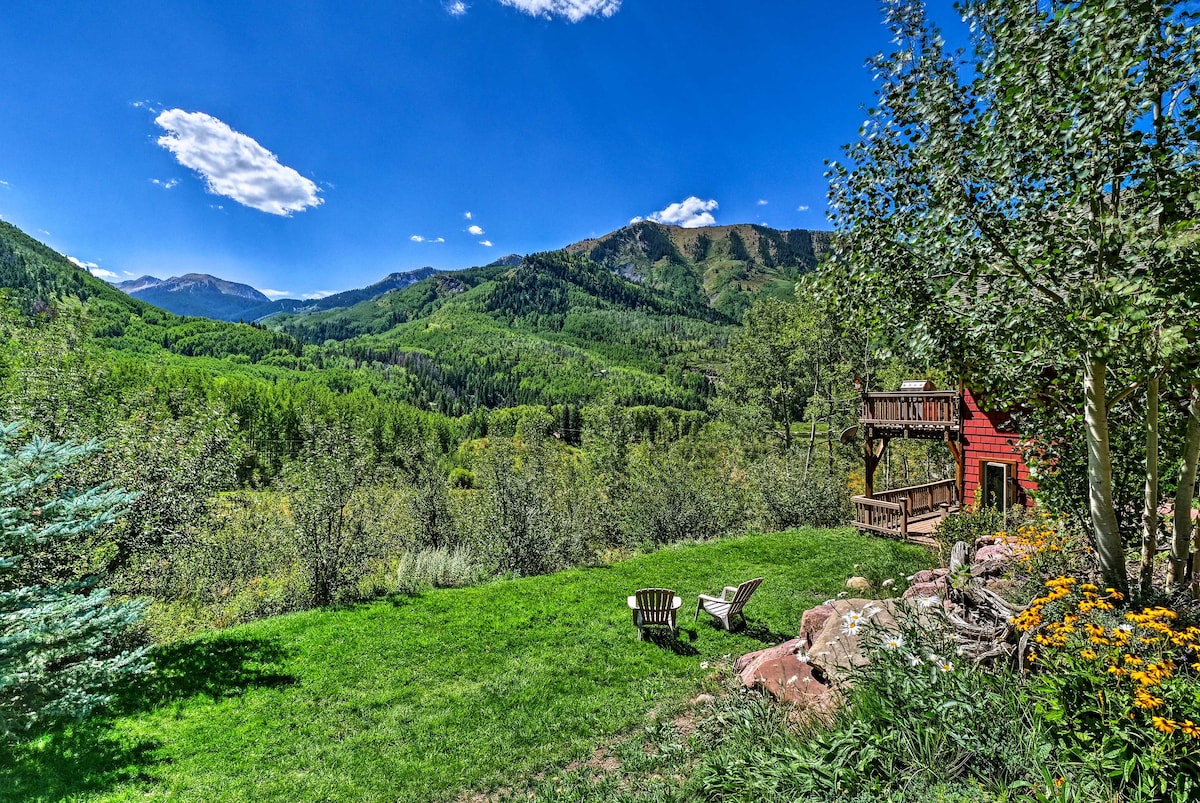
989	468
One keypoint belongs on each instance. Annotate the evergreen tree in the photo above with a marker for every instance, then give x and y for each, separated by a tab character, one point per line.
58	653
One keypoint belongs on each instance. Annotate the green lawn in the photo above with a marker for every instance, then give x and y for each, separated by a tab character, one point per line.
424	698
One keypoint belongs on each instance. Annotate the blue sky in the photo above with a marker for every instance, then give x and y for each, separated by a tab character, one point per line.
308	147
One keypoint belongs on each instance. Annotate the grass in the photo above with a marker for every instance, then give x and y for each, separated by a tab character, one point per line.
430	697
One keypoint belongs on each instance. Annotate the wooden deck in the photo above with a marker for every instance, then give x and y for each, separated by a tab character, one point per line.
929	414
908	513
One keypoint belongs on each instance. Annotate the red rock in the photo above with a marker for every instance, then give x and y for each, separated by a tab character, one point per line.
813	620
925	576
994	552
937	588
780	672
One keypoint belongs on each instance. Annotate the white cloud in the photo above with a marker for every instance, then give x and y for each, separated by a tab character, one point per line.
762	202
317	294
416	238
93	268
574	10
802	208
3	183
636	219
690	213
438	240
129	273
166	185
273	294
488	243
467	215
234	165
475	231
456	9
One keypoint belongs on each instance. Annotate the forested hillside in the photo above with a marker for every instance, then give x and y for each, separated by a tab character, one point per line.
725	267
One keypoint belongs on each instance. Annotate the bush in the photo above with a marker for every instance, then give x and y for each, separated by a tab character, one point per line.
1119	692
789	499
975	523
438	568
667	499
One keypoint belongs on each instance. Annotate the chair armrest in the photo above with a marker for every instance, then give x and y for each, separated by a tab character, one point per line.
729	589
713	599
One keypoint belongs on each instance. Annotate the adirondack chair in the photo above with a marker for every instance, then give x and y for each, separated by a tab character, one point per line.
725	607
654	606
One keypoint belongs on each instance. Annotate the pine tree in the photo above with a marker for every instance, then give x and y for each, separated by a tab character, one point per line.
58	656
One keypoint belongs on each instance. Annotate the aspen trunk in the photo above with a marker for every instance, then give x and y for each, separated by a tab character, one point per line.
1182	529
1099	468
1150	500
812	426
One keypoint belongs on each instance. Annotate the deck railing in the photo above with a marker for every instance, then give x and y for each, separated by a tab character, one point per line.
922	499
879	516
928	409
888	512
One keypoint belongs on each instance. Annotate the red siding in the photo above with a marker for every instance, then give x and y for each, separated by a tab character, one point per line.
989	435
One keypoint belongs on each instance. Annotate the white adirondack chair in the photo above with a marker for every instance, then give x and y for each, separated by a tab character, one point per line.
725	607
654	606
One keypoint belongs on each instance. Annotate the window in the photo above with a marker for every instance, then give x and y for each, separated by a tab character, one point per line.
996	481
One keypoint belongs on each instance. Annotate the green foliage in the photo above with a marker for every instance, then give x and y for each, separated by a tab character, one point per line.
1027	216
326	488
440	567
60	643
787	498
668	498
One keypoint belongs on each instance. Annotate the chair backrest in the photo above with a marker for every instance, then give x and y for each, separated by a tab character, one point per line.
654	605
654	599
743	593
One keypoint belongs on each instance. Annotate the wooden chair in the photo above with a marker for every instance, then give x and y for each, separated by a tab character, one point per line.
725	607
654	606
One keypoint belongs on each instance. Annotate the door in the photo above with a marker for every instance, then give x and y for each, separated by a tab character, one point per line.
995	484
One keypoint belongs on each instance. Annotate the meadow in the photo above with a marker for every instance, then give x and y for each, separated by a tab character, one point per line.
441	695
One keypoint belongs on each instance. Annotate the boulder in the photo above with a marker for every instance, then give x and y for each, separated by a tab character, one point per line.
988	568
858	584
834	650
934	588
993	552
813	620
780	671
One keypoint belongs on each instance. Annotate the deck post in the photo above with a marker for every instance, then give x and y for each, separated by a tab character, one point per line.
872	456
956	449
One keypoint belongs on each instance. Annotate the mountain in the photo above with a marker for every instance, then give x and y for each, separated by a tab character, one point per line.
36	279
725	267
348	298
197	294
205	296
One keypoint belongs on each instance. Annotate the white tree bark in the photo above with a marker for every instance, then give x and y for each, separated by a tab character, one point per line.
1185	491
1150	500
1099	470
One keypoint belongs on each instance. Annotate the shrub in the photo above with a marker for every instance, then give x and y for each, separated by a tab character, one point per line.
787	498
668	498
438	568
1119	691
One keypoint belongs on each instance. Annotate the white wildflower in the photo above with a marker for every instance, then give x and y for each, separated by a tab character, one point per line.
914	659
894	641
927	602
